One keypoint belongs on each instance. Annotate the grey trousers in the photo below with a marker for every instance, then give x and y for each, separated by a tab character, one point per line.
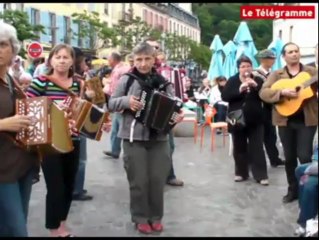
147	165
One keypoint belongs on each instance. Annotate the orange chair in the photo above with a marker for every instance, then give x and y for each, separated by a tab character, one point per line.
193	120
209	115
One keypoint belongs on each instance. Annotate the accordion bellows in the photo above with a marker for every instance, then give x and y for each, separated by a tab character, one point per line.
96	85
49	131
88	118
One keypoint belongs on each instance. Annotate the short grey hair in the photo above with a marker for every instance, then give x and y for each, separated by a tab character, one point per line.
116	56
144	48
8	32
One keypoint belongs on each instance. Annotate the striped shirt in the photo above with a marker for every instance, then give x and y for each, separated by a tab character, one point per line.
40	86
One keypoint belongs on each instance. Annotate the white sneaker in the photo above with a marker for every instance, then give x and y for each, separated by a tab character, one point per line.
300	231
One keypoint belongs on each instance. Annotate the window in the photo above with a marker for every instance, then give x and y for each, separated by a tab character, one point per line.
35	16
53	28
35	19
106	8
7	6
280	34
145	15
151	19
290	33
66	33
156	20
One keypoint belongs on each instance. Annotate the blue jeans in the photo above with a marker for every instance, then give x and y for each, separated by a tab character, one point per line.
308	196
14	205
115	141
80	175
171	174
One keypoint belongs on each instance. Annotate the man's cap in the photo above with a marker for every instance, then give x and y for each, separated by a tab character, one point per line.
266	53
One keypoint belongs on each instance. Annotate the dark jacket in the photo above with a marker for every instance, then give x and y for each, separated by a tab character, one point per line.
250	102
120	101
15	162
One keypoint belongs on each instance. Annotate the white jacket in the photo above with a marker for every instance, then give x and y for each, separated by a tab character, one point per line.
215	96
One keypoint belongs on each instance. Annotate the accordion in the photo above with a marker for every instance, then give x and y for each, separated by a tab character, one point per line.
96	85
174	76
49	132
88	118
158	110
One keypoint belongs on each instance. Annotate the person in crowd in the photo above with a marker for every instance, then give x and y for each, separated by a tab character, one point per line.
146	157
296	131
35	62
16	69
118	69
25	80
315	63
165	70
267	59
241	93
307	177
130	60
216	101
16	164
204	93
79	193
59	169
41	69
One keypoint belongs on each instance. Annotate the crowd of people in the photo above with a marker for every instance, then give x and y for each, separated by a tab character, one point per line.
147	154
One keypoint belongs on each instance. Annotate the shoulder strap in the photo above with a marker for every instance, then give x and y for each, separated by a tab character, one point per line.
133	77
14	88
82	83
53	80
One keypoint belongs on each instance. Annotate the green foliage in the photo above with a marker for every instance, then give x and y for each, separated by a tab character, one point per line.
94	28
224	19
25	31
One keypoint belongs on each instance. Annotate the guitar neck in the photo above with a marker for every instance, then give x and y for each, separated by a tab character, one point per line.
310	81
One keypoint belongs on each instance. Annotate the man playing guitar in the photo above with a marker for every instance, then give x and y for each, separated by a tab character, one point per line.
296	131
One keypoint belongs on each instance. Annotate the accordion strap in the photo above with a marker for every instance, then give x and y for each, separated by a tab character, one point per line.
81	82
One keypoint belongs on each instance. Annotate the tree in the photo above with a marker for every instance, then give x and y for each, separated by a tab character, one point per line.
91	26
25	31
224	19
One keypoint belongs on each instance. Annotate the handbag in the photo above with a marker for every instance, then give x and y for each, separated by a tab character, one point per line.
236	119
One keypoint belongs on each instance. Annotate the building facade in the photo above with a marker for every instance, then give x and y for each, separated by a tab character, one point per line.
59	27
303	32
170	17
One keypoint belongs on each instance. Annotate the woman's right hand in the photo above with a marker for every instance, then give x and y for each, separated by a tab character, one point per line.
15	124
243	87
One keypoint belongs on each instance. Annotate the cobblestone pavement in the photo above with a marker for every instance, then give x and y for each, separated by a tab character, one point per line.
210	203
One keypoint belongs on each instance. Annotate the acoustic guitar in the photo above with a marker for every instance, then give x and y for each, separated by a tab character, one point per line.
302	84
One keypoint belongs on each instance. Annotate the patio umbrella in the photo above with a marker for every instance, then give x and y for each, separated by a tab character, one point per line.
216	64
276	46
229	66
245	43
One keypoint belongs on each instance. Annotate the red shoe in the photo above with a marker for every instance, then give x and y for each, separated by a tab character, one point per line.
144	228
157	227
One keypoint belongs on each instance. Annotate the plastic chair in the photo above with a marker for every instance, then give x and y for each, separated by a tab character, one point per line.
192	120
210	112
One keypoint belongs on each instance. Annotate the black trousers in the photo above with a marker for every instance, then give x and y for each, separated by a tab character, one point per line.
249	152
221	112
270	138
297	141
59	173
